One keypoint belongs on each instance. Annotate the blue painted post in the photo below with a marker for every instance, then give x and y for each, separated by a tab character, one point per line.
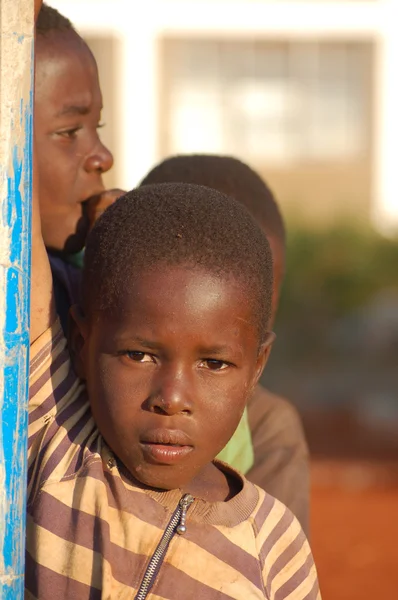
16	85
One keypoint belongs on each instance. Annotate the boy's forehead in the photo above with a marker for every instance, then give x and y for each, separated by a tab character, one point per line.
183	299
66	72
55	43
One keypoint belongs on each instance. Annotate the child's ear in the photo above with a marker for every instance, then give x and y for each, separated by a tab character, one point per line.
263	355
77	337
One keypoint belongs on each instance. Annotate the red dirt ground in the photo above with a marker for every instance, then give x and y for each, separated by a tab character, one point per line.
354	530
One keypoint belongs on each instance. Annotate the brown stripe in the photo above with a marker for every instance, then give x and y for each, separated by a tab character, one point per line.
36	361
54	364
45	584
41	355
49	433
281	526
173	583
213	541
33	438
57	394
90	447
295	580
288	554
58	453
33	484
314	593
263	512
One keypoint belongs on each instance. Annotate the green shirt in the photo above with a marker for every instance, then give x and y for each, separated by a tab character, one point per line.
239	451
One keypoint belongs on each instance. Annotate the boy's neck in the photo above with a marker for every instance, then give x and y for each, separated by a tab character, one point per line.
213	484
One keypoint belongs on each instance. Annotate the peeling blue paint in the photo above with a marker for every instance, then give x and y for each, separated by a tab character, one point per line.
15	337
20	38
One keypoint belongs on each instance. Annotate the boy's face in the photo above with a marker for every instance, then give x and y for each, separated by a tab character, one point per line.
169	372
70	156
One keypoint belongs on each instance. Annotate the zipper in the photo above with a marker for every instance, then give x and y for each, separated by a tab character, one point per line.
175	525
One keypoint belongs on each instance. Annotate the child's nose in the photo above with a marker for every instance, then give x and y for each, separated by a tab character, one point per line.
100	160
173	395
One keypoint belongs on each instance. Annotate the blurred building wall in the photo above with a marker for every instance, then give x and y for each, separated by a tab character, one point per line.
304	91
299	111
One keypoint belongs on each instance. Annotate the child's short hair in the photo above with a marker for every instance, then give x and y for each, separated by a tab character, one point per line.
50	19
230	176
176	224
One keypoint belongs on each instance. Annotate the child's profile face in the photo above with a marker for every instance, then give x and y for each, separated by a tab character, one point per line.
70	156
169	372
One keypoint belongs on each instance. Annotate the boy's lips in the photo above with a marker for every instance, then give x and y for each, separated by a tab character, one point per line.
166	446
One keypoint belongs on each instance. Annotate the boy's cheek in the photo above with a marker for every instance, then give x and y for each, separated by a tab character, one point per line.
225	413
120	389
114	410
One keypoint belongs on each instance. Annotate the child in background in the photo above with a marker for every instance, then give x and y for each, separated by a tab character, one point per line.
274	430
125	499
70	156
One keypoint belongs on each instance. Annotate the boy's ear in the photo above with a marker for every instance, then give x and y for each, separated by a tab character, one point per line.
77	337
263	355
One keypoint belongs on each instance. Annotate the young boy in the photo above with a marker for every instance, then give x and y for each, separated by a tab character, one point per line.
69	153
124	497
281	465
71	160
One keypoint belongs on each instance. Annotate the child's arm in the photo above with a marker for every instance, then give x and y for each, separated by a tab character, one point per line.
42	312
281	457
289	572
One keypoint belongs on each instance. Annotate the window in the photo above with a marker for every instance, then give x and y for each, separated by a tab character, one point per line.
283	103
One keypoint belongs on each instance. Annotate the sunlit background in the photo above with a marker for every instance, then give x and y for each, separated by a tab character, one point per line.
307	94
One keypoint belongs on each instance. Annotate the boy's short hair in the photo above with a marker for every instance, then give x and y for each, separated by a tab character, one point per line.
230	176
176	224
49	19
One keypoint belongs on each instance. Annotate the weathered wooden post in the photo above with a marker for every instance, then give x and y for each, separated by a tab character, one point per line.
16	95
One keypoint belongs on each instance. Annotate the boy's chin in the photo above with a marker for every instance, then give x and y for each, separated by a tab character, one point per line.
164	478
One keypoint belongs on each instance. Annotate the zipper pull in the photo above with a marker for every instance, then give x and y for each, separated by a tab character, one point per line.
185	502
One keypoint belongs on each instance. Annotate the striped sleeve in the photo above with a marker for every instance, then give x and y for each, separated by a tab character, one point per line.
288	568
53	396
52	381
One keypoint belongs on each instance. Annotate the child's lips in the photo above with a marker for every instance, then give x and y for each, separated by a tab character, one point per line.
166	446
164	454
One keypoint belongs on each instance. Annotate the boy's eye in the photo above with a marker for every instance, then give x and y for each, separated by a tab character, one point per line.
140	357
214	365
69	133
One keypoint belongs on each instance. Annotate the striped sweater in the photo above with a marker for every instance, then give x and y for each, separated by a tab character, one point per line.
94	533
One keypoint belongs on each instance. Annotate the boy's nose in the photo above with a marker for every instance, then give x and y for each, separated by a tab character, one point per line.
172	396
100	160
